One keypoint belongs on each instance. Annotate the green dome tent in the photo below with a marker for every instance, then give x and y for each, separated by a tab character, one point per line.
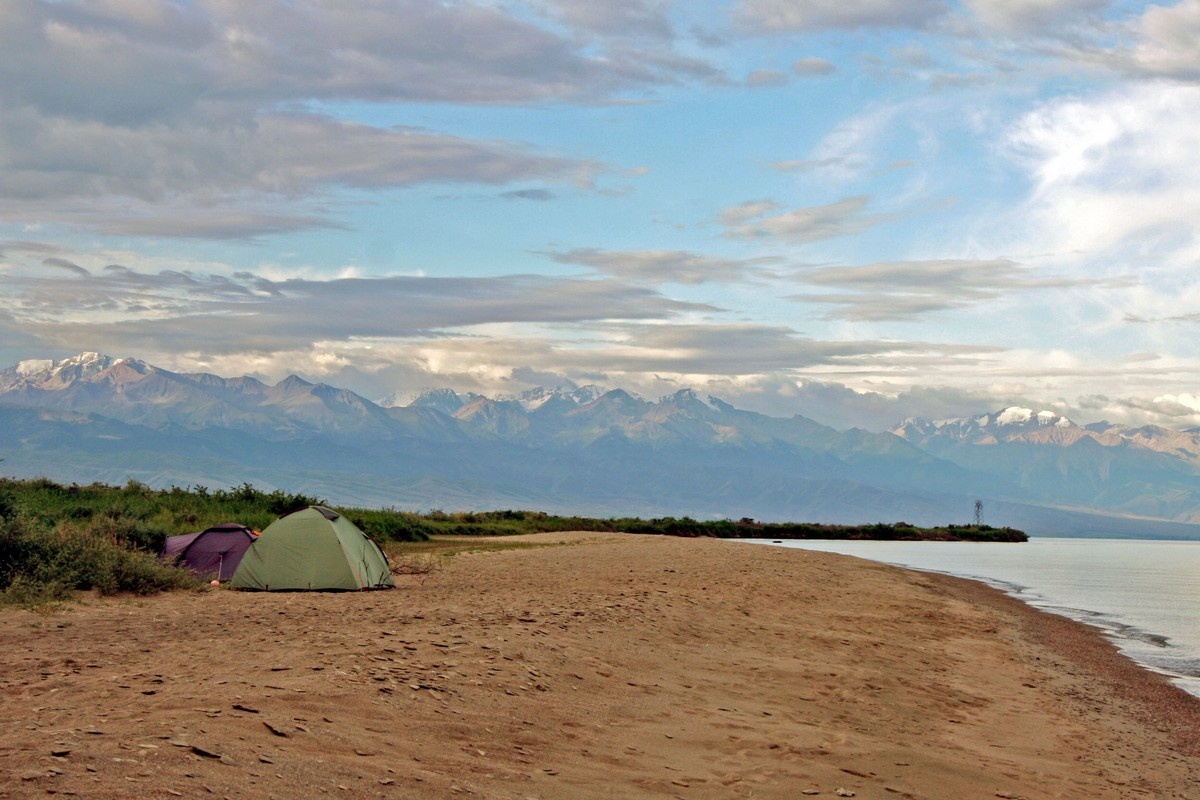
314	549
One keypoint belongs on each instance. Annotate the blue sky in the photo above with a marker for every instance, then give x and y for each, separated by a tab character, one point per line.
857	211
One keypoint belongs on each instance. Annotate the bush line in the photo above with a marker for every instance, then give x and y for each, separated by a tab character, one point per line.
57	539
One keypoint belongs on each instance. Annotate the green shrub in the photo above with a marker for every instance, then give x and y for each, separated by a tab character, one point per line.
51	564
8	504
33	595
387	525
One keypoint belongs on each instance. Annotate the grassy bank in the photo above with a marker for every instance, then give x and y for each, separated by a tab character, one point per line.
56	540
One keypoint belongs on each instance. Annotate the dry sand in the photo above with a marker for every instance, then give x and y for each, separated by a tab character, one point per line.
607	667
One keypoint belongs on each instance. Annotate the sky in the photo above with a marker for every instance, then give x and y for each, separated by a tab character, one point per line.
853	210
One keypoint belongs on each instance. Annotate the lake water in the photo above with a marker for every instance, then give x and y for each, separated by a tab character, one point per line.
1145	594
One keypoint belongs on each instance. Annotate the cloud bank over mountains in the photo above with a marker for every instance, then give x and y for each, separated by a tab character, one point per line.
859	207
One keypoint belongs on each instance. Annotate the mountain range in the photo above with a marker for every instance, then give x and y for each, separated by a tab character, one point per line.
589	451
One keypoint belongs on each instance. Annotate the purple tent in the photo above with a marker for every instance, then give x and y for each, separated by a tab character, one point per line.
211	553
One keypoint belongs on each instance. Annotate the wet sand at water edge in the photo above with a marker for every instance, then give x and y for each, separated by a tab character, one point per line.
591	666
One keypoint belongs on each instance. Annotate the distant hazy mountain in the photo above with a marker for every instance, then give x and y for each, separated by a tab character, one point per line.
1147	471
1045	427
588	451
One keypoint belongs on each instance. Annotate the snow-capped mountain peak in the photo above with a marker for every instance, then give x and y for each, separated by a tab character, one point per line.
446	401
1008	424
692	398
534	399
1016	415
54	374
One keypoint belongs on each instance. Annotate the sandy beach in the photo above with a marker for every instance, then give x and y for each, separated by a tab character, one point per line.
596	666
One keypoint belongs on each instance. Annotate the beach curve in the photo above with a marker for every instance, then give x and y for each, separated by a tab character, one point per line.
611	666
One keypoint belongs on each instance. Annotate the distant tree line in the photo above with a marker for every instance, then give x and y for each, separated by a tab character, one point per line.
746	528
493	523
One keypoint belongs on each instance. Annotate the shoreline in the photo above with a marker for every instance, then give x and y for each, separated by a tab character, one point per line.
1146	645
1111	631
605	666
1150	695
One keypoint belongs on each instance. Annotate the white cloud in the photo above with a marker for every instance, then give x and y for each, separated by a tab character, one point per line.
789	15
125	307
193	119
616	17
913	289
1034	16
811	66
1115	175
766	78
1166	41
1188	400
811	224
390	50
743	212
218	119
461	332
662	266
221	179
853	146
236	180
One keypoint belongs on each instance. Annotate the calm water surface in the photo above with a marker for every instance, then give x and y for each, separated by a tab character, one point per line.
1145	594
